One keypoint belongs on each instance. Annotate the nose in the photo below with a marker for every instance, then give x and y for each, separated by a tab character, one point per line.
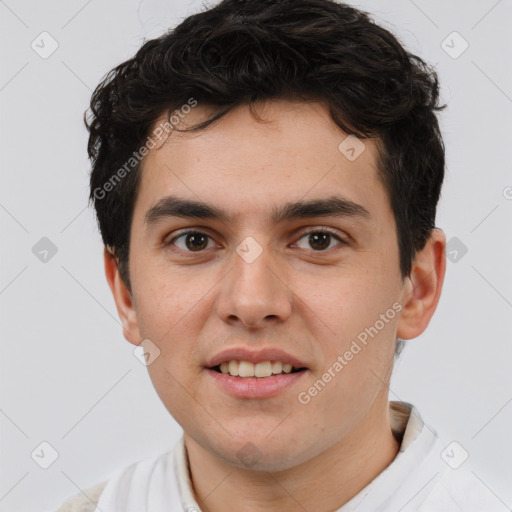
255	293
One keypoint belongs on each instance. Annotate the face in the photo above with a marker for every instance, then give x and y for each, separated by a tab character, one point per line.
265	282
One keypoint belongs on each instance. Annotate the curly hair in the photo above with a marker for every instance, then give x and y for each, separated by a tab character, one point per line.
243	51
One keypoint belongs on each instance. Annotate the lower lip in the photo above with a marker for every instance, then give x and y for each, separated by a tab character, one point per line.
266	387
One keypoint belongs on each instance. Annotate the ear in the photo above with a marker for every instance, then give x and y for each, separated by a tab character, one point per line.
123	299
422	288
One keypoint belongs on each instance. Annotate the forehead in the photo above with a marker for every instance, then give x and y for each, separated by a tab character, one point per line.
245	166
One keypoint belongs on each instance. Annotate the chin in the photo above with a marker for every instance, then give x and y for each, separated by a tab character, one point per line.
261	452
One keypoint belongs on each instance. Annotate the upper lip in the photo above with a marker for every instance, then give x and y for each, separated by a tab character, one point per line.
254	356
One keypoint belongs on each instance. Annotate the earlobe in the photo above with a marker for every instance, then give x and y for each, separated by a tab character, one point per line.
422	288
122	298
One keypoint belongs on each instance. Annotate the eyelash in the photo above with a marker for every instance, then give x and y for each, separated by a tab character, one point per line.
170	243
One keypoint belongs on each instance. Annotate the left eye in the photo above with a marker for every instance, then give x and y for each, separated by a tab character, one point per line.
320	239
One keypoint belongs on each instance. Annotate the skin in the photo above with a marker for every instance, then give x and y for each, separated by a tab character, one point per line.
308	302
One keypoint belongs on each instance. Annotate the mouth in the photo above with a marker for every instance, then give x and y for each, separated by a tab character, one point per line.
245	373
247	370
263	380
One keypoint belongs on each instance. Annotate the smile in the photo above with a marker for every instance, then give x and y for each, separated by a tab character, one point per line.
246	369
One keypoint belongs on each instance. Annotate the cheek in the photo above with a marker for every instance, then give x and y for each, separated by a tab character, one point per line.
177	393
353	315
339	302
163	302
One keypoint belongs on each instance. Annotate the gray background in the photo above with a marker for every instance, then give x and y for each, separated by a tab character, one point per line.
69	378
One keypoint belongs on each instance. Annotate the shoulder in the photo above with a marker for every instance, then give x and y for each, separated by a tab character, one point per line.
460	489
85	501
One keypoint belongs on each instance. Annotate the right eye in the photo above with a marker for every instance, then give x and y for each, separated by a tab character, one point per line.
193	241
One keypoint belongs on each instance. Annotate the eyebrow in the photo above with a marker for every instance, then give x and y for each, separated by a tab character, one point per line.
335	206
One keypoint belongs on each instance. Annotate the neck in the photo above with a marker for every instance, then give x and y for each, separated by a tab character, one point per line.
353	462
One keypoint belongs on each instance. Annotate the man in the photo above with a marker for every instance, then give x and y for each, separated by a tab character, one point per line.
266	177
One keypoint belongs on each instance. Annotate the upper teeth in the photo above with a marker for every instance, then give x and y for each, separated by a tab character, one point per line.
248	369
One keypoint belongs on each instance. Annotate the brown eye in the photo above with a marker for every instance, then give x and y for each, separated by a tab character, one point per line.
320	240
194	241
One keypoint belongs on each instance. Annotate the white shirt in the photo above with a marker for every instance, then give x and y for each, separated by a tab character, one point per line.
418	479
